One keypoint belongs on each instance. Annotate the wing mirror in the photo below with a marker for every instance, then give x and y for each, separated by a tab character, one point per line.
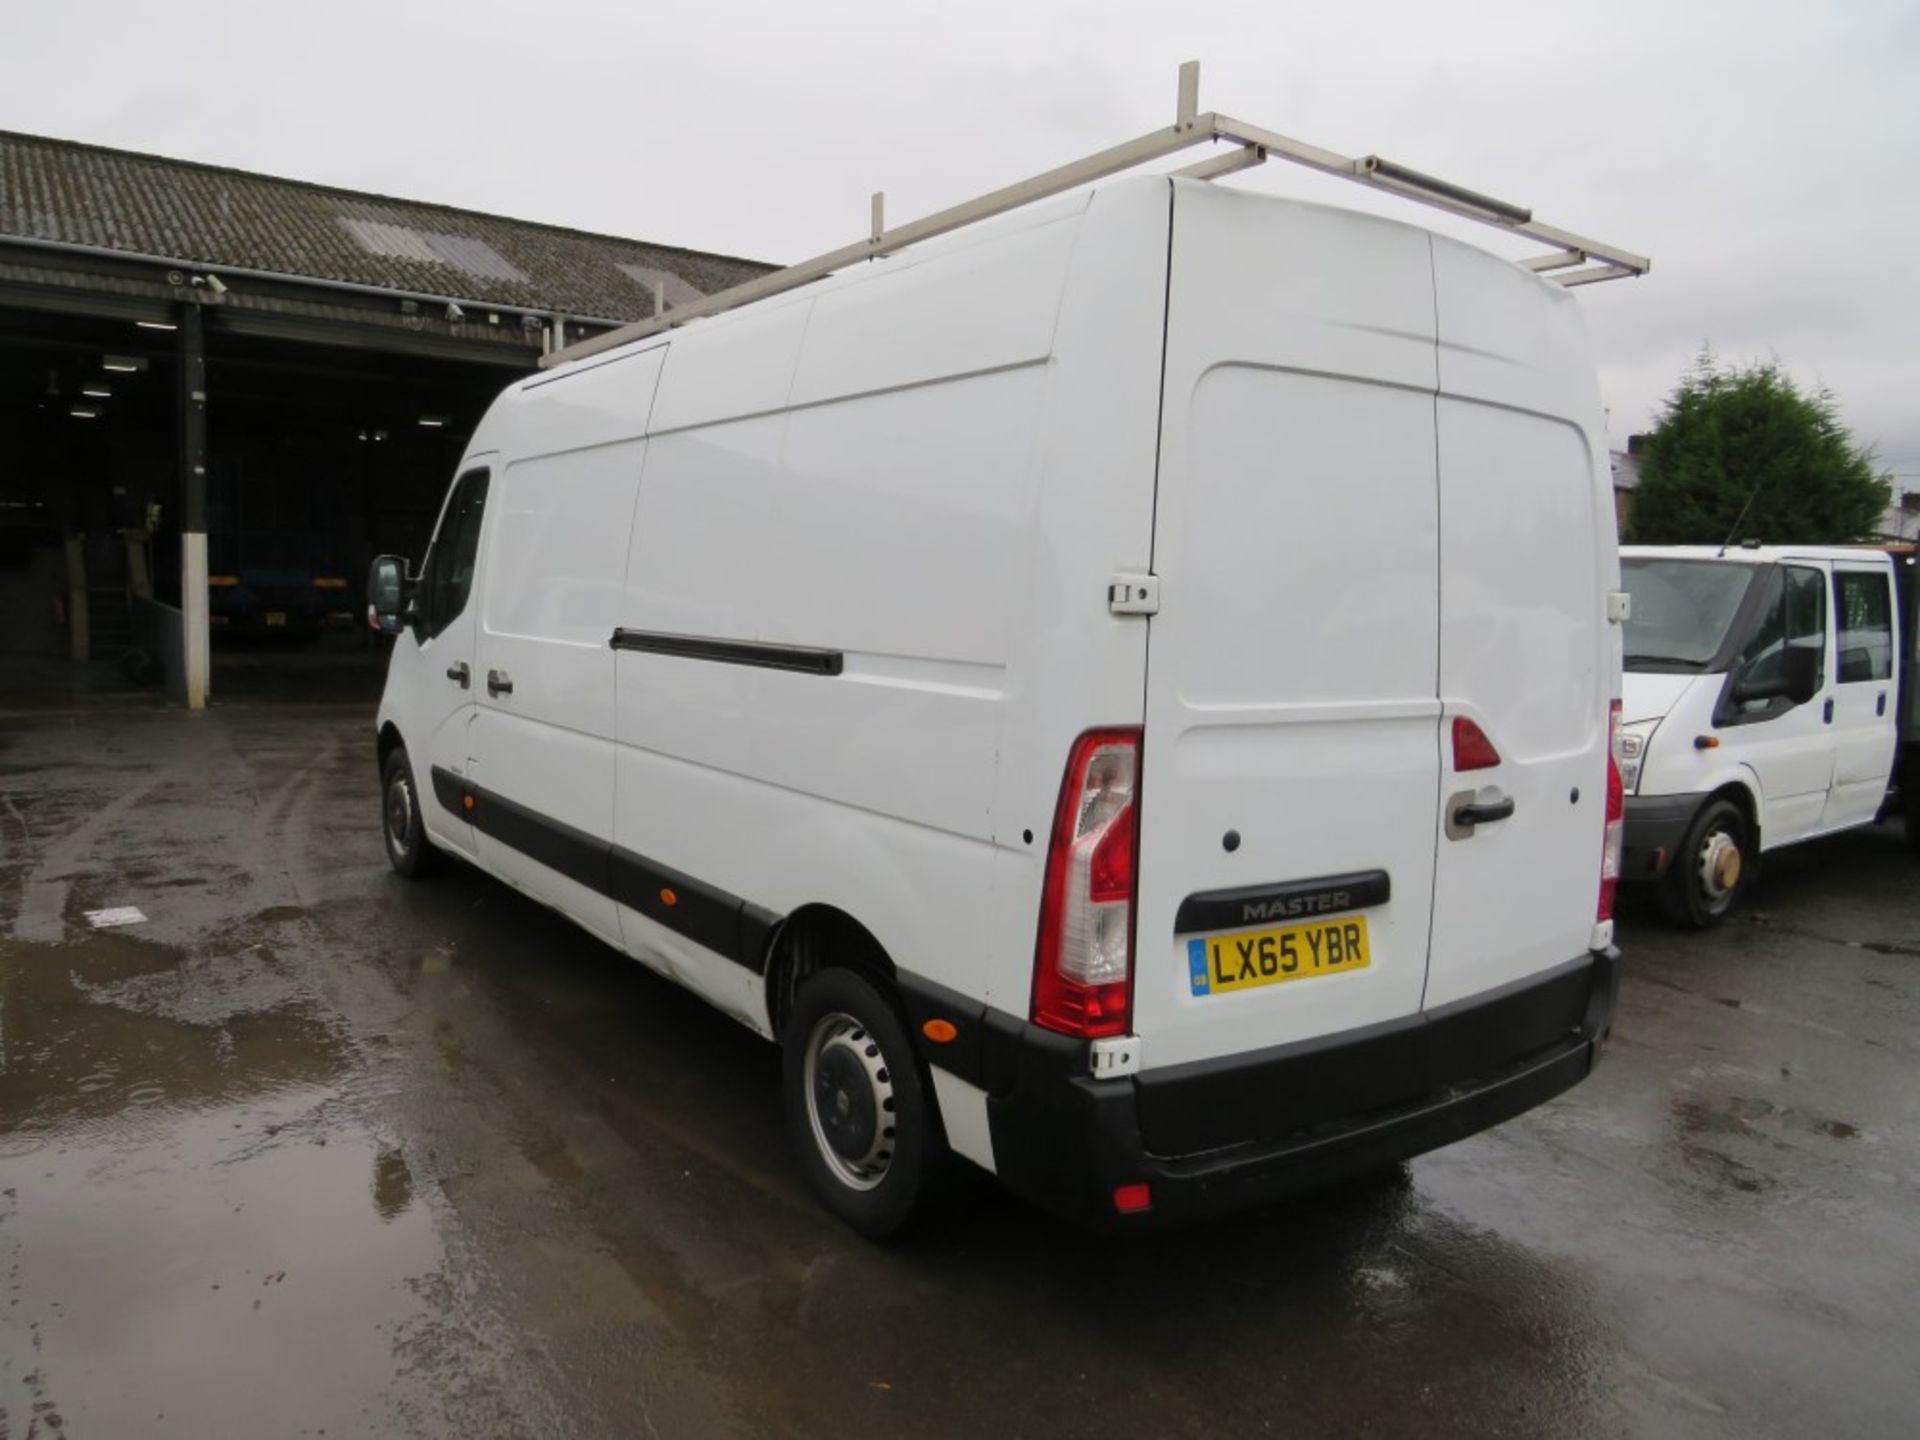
1798	680
388	594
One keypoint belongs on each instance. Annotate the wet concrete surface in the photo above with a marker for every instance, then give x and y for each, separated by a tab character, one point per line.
318	1151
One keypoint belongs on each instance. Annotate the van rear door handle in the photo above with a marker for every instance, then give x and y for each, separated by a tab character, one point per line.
1464	812
1827	715
499	683
460	673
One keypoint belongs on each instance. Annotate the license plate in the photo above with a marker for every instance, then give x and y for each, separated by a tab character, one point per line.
276	617
1247	958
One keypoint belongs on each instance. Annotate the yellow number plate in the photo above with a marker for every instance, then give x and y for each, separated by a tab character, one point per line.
1248	958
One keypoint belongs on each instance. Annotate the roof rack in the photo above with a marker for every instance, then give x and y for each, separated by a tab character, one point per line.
1574	260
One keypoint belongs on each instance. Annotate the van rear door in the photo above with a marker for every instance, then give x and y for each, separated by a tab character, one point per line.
1291	756
1528	552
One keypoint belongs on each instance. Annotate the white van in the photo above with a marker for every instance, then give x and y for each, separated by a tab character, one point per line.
1121	694
1765	698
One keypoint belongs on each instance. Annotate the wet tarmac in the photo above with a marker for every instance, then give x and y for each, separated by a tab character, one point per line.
314	1150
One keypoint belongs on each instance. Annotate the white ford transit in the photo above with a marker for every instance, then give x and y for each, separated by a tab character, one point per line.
1121	694
1768	699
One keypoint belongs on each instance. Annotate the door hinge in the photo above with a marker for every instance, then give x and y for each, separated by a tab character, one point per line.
1619	607
1114	1056
1134	594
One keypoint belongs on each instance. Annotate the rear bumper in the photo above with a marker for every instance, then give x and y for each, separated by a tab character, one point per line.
1655	826
1254	1128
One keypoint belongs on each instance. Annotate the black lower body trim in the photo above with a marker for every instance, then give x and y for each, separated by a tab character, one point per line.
1655	826
703	913
1254	1128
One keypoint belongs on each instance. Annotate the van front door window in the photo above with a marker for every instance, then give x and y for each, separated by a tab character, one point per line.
450	564
1796	617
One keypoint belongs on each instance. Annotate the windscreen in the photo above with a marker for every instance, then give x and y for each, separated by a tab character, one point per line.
1680	609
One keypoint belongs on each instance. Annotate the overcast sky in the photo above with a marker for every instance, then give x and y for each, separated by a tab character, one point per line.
1767	155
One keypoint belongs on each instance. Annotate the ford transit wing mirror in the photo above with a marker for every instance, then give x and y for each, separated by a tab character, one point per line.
387	587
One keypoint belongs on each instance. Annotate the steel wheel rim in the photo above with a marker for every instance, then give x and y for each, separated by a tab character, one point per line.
850	1101
399	814
1717	869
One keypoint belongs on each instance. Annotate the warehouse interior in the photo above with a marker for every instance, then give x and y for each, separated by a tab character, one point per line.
224	393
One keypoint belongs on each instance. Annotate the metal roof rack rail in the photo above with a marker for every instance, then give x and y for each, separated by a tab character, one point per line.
1574	260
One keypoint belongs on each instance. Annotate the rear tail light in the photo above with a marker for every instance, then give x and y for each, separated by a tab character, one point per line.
1616	817
1472	750
1083	961
1133	1199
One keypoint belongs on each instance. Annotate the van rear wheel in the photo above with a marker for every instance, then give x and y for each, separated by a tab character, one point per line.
408	849
1711	868
856	1103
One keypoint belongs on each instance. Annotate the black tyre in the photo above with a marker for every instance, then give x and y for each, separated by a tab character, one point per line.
408	848
857	1104
1711	868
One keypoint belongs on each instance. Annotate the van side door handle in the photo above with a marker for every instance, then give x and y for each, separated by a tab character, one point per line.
1464	812
460	674
1826	715
499	683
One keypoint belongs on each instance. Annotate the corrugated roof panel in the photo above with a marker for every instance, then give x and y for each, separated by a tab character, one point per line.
677	290
476	257
396	242
204	215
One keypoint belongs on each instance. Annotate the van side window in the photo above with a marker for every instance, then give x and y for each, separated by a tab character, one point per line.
450	564
1796	615
1865	612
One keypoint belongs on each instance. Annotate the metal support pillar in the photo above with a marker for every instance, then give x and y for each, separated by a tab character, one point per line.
193	506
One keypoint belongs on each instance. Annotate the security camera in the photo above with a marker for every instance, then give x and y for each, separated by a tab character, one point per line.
455	314
214	284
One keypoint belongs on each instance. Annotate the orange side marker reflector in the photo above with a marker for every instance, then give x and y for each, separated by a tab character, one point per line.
941	1032
1706	742
667	897
467	801
1132	1199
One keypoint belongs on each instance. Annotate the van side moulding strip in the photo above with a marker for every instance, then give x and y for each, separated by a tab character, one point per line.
803	659
705	914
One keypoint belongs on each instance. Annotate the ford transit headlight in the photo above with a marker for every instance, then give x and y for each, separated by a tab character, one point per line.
1634	740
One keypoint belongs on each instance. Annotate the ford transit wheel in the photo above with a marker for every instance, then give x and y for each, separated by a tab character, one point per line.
408	849
1711	868
856	1103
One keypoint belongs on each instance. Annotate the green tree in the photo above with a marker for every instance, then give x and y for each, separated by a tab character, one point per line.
1729	436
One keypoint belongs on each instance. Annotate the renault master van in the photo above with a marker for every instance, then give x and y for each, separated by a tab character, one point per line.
1769	699
1121	695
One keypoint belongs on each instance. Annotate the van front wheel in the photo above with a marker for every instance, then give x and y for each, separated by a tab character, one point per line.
856	1104
408	849
1710	869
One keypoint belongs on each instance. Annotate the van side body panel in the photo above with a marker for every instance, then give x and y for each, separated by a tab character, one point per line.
882	515
555	566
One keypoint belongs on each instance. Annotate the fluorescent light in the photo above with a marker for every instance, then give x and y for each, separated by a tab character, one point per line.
124	364
433	422
97	392
85	412
156	325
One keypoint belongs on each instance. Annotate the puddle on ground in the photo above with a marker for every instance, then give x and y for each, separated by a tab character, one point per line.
160	1287
197	1237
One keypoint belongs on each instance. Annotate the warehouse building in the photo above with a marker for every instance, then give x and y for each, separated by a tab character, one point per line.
223	393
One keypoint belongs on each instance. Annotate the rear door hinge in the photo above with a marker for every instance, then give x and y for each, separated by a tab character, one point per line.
1619	607
1134	594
